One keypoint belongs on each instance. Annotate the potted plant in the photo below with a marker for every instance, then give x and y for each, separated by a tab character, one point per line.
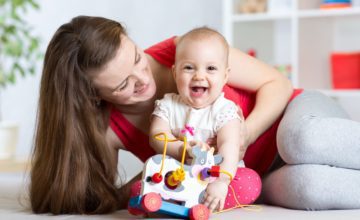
19	52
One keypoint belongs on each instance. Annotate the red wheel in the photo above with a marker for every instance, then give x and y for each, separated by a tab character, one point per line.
151	202
135	211
199	212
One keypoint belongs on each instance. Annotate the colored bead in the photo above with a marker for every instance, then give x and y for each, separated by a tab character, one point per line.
169	181
156	178
215	171
179	175
172	181
204	173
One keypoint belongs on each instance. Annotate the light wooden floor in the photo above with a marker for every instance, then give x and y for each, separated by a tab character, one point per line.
12	188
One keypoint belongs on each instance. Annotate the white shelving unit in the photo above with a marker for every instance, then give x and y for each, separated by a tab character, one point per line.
303	37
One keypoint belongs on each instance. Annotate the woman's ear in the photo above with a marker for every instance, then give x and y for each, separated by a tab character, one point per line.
97	101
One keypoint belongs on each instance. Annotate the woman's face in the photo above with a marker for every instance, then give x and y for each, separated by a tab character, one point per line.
127	78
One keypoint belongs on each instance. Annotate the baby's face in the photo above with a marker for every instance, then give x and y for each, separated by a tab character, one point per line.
200	71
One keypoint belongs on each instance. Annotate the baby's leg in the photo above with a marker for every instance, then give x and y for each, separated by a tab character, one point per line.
313	187
244	189
316	130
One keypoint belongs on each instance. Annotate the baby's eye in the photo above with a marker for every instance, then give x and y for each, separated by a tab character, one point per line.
212	68
188	67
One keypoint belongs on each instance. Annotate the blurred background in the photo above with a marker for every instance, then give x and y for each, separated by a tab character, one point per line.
147	22
313	42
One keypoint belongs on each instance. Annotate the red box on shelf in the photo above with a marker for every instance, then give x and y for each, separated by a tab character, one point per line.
345	69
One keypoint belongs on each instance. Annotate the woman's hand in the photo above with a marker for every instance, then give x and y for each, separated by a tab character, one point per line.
247	140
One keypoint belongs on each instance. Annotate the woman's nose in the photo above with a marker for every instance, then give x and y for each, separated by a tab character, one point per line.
140	76
139	83
141	79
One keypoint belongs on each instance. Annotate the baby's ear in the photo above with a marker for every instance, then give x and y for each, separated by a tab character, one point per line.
227	72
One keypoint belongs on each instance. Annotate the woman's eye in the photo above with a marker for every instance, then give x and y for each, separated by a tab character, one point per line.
138	58
123	85
212	68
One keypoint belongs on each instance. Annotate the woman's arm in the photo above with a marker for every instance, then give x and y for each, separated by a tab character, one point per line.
273	91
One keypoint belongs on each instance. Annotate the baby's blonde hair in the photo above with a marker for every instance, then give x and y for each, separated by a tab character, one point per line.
203	33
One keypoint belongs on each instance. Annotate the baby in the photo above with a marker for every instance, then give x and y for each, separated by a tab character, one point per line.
200	111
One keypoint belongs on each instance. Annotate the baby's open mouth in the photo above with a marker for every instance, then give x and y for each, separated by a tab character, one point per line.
198	90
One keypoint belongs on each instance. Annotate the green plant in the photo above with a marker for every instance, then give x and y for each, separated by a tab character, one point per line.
19	47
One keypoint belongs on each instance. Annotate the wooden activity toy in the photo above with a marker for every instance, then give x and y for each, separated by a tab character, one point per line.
173	188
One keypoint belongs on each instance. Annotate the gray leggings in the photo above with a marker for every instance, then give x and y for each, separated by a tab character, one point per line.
321	150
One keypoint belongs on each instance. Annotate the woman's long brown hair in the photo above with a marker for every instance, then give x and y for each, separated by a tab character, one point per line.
73	170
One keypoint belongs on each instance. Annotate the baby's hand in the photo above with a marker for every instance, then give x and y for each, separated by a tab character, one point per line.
200	144
192	144
211	141
215	195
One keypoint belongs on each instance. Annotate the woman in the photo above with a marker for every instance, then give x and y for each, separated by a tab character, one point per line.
97	94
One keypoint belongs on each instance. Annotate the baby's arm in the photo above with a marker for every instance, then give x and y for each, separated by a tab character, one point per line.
229	141
159	125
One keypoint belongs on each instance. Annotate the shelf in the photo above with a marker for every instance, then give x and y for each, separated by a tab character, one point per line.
338	93
314	13
302	37
260	17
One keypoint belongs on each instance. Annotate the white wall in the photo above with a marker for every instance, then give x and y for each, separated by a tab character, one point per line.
147	22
